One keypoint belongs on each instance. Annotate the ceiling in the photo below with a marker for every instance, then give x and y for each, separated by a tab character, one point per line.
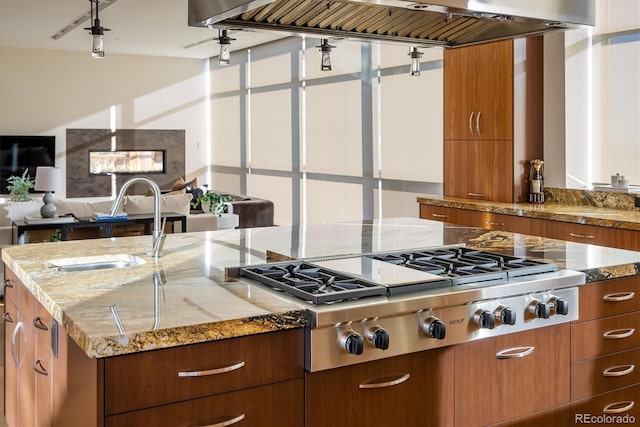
138	27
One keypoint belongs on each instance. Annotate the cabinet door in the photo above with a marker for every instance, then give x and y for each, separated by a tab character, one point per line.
479	170
410	390
491	386
10	367
478	91
41	367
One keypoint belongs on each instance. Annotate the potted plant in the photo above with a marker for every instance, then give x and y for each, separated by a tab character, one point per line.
19	187
215	203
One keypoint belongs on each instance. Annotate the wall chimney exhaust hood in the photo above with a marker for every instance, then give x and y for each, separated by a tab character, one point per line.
446	23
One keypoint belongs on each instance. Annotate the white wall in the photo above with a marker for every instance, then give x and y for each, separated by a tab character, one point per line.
44	92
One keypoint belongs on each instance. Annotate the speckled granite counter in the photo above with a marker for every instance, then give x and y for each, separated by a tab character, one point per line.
601	208
195	304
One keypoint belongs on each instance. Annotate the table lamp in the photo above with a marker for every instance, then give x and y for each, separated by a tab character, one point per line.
47	180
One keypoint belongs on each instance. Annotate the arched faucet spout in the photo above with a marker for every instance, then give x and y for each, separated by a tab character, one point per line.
158	229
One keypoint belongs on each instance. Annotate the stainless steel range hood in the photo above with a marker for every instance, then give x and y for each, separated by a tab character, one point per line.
446	23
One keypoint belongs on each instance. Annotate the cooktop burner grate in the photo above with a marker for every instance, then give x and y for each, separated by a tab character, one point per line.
463	265
312	283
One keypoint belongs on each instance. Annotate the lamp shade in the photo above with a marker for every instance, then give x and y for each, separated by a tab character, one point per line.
47	178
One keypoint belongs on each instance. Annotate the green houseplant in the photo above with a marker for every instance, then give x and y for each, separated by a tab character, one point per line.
19	187
213	202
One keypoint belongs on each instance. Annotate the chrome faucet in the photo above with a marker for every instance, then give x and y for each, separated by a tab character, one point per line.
158	229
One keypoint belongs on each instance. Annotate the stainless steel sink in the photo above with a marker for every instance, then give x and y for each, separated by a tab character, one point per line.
95	262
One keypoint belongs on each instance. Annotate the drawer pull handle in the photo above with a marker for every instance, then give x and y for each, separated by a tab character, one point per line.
37	366
582	236
499	224
8	284
212	372
618	408
37	322
619	296
618	333
478	122
228	422
618	371
471	123
390	383
7	318
435	215
512	353
14	338
477	194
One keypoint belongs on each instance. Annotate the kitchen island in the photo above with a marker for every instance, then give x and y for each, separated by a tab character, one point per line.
184	301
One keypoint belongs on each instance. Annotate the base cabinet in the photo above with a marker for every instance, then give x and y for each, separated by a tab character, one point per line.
268	406
410	390
510	376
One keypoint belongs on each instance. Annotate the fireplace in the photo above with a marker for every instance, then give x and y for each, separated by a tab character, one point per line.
127	162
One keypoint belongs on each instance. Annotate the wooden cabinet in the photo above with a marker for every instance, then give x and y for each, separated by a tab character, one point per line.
488	220
410	390
585	233
492	118
532	378
478	92
605	351
51	382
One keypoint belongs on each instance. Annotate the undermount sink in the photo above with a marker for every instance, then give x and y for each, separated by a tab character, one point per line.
95	262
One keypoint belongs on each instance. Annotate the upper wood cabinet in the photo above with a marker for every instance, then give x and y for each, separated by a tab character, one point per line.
492	118
478	92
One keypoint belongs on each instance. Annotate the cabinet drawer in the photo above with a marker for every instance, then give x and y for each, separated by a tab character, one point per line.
11	285
609	298
158	377
595	376
490	389
439	213
619	403
280	405
603	336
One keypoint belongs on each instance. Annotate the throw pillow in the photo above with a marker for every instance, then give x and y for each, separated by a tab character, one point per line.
81	209
178	203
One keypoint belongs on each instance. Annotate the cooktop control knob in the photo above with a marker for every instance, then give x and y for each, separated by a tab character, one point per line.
379	337
434	328
485	319
559	305
505	315
540	309
352	342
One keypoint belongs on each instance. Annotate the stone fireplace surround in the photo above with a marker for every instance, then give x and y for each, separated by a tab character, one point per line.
79	141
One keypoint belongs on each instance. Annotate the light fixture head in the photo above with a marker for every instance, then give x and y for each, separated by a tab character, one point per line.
415	56
97	32
325	48
224	57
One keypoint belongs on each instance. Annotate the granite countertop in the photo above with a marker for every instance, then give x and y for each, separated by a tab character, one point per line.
192	301
601	214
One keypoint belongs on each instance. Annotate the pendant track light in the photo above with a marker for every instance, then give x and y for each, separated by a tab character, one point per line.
96	31
224	58
415	55
325	48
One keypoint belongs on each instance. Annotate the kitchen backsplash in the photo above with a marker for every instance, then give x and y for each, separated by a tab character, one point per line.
601	199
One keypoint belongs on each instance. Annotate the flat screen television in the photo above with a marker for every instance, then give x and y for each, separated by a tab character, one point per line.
20	152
